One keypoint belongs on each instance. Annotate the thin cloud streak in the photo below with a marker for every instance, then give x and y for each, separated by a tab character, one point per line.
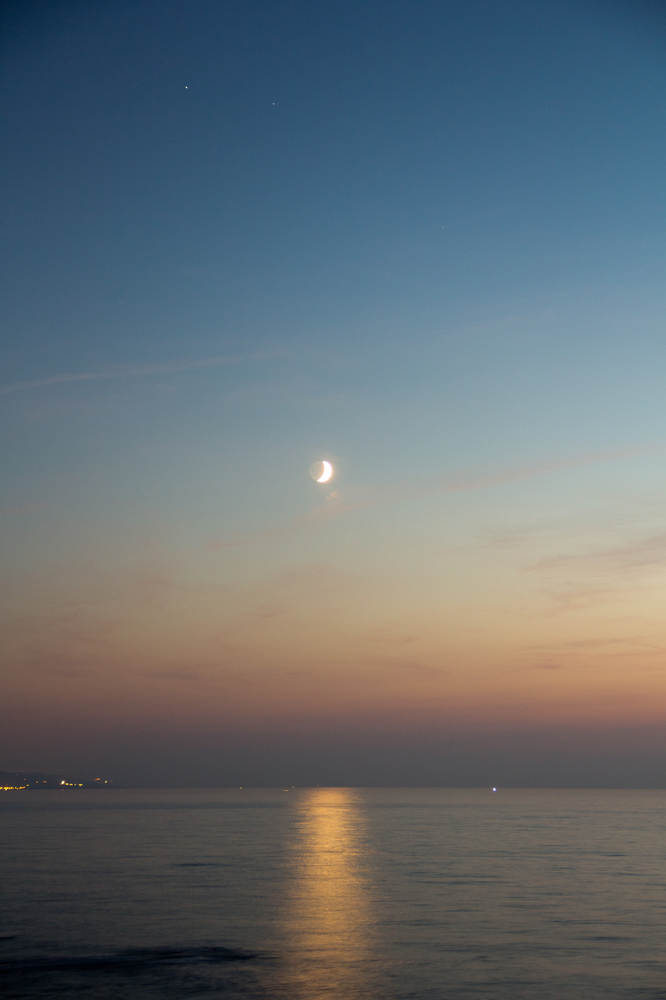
393	493
421	489
164	369
649	552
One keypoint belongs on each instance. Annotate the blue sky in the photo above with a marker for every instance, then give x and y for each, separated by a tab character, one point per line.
425	241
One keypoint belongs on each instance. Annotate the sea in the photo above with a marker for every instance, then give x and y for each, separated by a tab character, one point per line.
337	893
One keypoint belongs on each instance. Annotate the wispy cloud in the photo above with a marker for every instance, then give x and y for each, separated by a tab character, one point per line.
596	647
383	637
371	496
186	674
359	498
615	559
602	574
137	372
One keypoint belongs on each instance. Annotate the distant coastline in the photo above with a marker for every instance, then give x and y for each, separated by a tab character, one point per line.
22	781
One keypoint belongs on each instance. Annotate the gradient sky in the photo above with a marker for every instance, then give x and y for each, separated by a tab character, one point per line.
424	241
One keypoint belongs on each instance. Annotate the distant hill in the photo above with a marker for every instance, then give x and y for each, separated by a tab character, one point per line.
38	781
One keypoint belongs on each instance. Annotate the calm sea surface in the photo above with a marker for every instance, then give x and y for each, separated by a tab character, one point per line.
333	892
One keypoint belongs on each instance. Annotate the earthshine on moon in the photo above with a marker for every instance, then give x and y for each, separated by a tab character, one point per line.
321	472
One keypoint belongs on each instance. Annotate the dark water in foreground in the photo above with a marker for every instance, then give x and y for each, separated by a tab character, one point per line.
333	893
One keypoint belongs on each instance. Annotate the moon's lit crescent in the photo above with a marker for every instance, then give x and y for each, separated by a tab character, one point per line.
321	471
327	473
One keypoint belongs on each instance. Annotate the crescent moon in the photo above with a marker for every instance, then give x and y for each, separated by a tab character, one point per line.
327	473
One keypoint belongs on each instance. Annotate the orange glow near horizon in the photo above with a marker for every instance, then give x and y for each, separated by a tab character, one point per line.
516	631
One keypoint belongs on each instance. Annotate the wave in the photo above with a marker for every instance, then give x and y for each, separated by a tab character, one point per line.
197	864
135	958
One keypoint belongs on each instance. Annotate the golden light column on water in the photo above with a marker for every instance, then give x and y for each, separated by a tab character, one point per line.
329	914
